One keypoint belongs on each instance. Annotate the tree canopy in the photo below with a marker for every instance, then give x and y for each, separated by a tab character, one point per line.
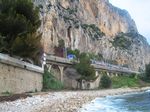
19	21
147	71
85	69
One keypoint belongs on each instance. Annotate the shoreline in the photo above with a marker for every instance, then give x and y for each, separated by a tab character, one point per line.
63	101
75	103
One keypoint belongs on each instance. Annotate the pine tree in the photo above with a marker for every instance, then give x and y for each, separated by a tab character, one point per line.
85	69
28	46
19	21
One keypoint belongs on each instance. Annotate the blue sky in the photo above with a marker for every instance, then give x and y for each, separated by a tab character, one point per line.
139	11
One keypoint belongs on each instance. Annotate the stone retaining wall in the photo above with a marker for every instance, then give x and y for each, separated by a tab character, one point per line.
18	76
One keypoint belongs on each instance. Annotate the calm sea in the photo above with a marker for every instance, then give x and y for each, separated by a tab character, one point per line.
137	102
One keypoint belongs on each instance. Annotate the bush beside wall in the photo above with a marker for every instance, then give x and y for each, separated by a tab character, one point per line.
50	82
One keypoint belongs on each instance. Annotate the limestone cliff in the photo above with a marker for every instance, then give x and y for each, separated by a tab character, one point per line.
93	26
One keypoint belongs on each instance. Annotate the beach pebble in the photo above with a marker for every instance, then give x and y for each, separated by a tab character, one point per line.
61	101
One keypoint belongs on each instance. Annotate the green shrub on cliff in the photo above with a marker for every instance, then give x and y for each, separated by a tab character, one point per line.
122	42
93	31
94	56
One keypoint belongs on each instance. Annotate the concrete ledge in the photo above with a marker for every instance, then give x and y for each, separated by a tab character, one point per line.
18	63
58	59
114	69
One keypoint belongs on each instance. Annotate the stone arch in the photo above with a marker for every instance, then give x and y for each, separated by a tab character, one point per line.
57	71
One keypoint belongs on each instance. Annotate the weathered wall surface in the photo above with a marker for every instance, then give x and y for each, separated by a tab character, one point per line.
15	78
91	85
80	24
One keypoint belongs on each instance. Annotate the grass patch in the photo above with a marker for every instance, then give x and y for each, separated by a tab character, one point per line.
125	81
7	93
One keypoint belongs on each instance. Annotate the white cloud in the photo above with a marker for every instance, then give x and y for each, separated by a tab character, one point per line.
139	11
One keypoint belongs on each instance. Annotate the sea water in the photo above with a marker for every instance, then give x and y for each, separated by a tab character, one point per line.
135	102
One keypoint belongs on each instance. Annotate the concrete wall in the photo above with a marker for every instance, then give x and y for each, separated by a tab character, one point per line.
17	76
91	85
95	84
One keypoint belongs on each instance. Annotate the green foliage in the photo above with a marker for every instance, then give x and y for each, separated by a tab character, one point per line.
31	44
3	44
50	82
122	42
84	68
61	43
146	76
75	52
17	17
71	20
7	93
147	71
93	31
133	75
132	34
94	56
71	11
84	57
125	81
19	20
105	81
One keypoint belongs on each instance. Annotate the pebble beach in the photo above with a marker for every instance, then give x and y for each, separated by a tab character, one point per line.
64	101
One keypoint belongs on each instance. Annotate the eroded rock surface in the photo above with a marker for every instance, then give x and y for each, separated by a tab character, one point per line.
92	26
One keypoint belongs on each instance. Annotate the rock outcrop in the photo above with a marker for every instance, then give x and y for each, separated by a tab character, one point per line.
93	26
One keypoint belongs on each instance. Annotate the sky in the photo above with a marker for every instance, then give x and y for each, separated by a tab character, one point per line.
139	11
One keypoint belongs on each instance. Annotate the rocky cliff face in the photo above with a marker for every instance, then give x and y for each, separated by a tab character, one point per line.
93	26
